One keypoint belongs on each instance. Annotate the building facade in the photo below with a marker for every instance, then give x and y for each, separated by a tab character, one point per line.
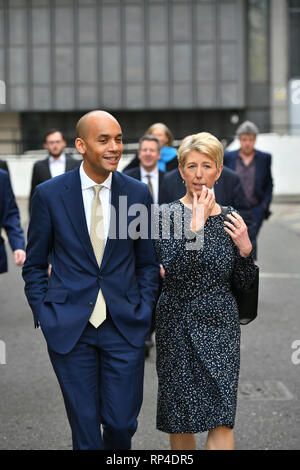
192	64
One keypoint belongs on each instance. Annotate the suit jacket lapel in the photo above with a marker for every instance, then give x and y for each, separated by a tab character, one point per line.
116	191
73	202
47	168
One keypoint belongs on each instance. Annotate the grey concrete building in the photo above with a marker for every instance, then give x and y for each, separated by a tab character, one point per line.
192	64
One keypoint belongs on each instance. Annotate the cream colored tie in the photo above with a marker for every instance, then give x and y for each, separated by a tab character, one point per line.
97	239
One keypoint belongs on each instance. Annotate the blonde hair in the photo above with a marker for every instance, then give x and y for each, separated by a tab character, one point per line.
165	129
205	143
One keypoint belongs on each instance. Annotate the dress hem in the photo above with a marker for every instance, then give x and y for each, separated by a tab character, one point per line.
199	430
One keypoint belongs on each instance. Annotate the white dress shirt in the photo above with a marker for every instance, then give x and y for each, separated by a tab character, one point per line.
88	196
154	181
57	166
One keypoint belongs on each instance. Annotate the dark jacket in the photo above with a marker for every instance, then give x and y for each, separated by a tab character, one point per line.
162	195
9	220
263	176
41	172
4	166
135	162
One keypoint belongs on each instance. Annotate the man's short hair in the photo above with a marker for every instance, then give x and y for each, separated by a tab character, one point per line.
150	137
52	131
247	127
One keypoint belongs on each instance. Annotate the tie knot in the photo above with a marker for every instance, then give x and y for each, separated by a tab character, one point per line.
97	189
149	177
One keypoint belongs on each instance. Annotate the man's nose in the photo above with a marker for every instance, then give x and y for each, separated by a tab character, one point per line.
113	145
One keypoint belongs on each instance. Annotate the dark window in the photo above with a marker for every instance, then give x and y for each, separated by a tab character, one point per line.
294	37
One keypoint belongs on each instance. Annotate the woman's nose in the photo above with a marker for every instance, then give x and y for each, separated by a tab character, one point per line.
199	172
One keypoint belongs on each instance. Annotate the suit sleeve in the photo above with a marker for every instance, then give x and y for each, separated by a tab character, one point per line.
34	183
40	237
11	219
269	183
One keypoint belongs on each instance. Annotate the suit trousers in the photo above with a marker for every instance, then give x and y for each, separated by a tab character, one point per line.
102	382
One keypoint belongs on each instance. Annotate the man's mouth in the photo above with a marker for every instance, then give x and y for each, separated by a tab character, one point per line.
112	158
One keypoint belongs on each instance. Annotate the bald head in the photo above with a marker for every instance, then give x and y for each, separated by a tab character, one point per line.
87	120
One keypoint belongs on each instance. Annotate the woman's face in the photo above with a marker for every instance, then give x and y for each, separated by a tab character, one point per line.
199	170
161	135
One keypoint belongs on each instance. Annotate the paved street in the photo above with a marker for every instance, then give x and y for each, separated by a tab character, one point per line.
32	414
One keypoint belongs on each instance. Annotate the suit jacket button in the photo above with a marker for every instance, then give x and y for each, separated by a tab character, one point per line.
100	277
90	304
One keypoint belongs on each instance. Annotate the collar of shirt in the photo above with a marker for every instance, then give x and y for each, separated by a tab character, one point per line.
88	195
153	173
61	159
87	182
241	161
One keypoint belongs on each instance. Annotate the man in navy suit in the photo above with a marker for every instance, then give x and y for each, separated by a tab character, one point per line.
10	221
254	170
99	363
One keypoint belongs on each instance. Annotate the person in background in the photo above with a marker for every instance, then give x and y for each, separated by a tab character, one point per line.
148	171
55	164
10	221
254	169
168	154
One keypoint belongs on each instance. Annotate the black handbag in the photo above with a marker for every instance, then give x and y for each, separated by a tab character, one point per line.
247	300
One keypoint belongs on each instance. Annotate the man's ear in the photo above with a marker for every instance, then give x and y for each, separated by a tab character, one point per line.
80	145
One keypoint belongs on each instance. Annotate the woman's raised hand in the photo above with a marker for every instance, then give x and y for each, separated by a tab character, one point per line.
202	208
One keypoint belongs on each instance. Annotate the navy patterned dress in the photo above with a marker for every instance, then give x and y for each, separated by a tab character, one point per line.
197	325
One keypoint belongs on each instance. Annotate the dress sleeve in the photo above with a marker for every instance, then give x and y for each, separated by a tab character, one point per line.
173	251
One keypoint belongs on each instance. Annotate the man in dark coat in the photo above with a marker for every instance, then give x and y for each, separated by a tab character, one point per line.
55	164
254	170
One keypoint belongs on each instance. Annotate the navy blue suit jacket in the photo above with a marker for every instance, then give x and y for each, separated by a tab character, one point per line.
128	275
228	192
136	174
263	176
9	220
